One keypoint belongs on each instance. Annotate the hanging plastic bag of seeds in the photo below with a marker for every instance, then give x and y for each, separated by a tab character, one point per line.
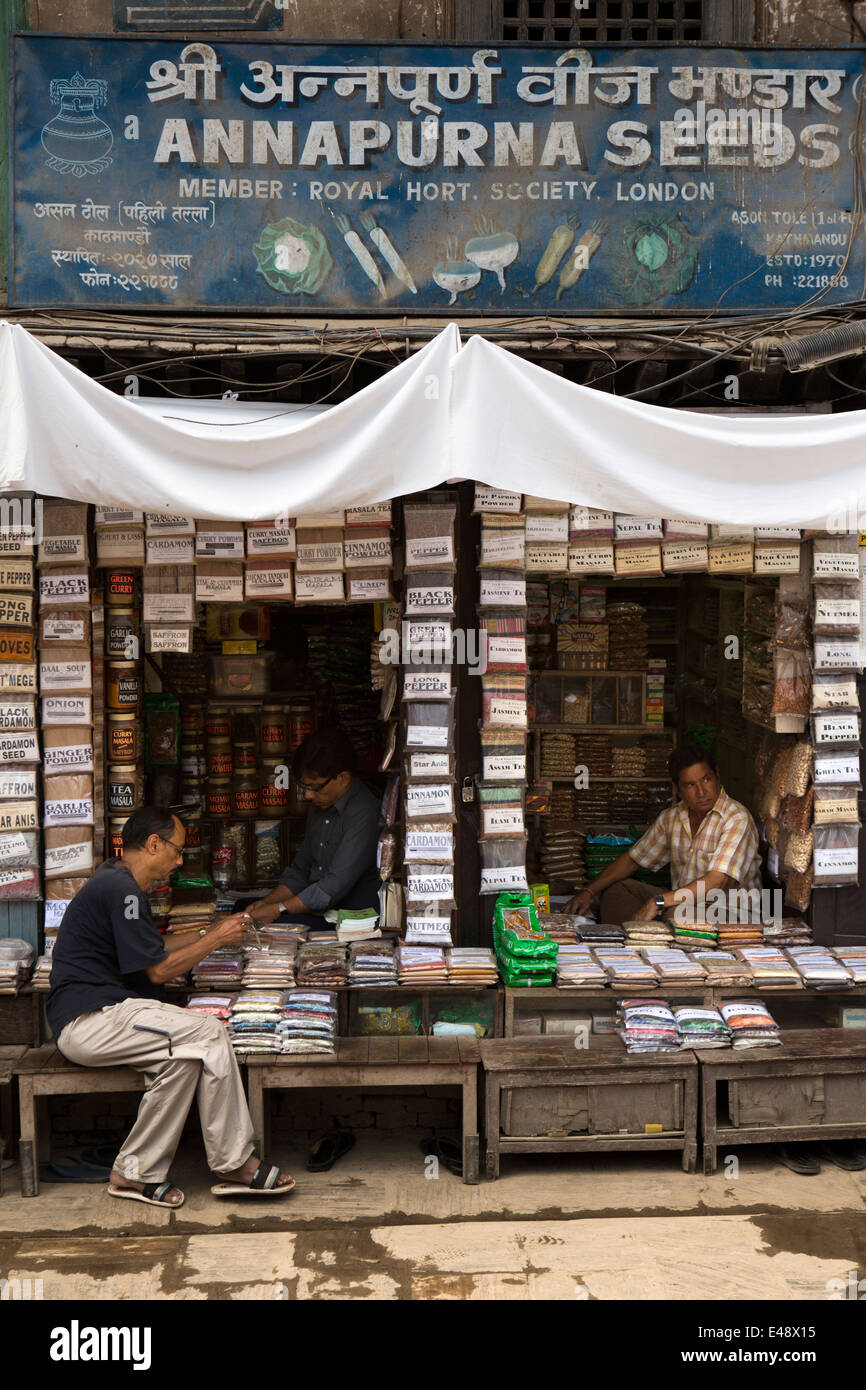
429	533
792	626
799	769
430	885
792	690
798	852
836	654
796	813
797	890
429	841
771	832
420	765
430	724
503	866
835	861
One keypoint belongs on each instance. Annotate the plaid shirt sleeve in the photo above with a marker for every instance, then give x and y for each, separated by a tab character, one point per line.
653	850
737	847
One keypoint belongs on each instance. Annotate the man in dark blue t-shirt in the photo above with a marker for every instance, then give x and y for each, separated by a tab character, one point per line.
106	1008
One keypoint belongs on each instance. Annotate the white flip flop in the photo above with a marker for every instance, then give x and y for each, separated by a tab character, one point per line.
262	1184
152	1194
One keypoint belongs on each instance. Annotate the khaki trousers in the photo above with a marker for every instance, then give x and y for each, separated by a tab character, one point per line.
202	1064
621	901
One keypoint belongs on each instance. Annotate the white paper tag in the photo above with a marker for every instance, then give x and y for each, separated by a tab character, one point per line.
64	675
219	544
430	845
54	913
63	629
219	588
835	565
70	757
428	550
269	583
18	542
19	748
426	736
319	588
16	786
426	799
508	712
170	550
499	767
590	519
375	514
432	636
66	709
837	769
168	524
506	651
429	765
78	812
675	526
837	612
500	880
547	559
117	516
546	528
69	859
835	862
425	598
777	533
271	540
432	887
16	611
12	876
168	608
169	639
637	528
837	728
17	714
19	815
368	552
591	559
320	556
837	655
678	555
505	547
427	685
490	499
16	575
777	559
53	550
368	590
12	848
838	694
64	588
502	593
433	929
20	678
497	820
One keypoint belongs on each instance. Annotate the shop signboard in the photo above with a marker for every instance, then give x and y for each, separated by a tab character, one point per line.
262	175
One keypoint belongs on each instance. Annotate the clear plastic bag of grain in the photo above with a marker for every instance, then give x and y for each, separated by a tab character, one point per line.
799	769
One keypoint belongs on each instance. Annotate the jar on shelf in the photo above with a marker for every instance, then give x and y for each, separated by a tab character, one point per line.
223	861
246	795
159	899
219	757
274	787
122	639
121	588
300	723
124	739
193	762
273	731
219	798
218	723
115	836
244	728
123	686
125	788
246	757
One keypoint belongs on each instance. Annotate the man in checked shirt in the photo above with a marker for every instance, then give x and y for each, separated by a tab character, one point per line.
709	840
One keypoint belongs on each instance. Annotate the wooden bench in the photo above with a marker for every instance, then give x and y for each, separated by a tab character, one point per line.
543	1095
44	1072
370	1063
812	1087
9	1057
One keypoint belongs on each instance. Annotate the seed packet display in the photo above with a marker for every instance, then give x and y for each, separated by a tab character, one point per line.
427	682
836	558
490	499
835	856
835	805
834	691
832	767
501	590
429	534
61	586
836	654
429	841
428	765
836	727
503	865
836	609
426	800
428	593
68	800
431	884
430	724
63	533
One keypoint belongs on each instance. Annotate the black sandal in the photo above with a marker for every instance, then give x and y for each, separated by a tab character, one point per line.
803	1160
449	1154
849	1159
328	1148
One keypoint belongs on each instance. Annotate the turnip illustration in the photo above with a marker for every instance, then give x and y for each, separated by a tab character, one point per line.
492	250
455	275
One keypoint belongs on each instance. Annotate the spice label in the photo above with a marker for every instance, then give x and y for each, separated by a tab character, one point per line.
506	651
17	646
837	612
837	808
69	859
777	533
17	542
838	694
429	765
434	636
838	769
498	821
117	516
500	768
376	514
169	639
428	929
501	593
19	748
422	799
9	877
165	524
319	588
637	528
18	677
502	547
638	559
436	598
78	812
422	886
427	736
590	519
429	685
15	786
685	555
16	574
428	550
16	611
170	550
54	550
21	815
490	499
65	675
835	862
835	565
274	582
320	555
271	540
17	714
66	709
369	590
69	757
368	552
63	630
219	545
837	728
54	914
169	608
591	559
498	880
219	588
547	528
680	526
13	847
732	531
120	547
62	588
434	845
545	558
508	712
736	558
842	655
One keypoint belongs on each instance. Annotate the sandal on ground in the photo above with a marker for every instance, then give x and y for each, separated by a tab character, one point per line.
153	1193
802	1160
262	1184
328	1148
74	1171
851	1160
449	1154
101	1156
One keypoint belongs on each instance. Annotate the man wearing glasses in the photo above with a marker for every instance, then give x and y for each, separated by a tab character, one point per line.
336	863
106	1008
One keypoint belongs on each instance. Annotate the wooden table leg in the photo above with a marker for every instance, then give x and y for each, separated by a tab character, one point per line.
471	1144
708	1087
492	1126
256	1104
28	1143
690	1121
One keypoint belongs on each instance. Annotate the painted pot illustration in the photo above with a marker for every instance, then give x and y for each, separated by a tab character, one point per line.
76	140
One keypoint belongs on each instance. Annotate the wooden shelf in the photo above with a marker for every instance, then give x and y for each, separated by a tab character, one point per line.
656	781
603	728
